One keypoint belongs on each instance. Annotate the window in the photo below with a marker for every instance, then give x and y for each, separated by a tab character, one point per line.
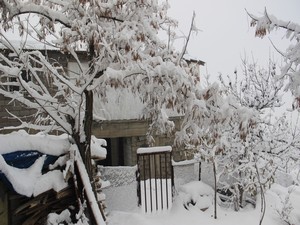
14	84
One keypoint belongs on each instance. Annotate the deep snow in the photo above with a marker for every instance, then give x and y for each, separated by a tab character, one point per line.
178	215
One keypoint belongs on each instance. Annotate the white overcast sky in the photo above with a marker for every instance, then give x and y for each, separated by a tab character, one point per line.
226	36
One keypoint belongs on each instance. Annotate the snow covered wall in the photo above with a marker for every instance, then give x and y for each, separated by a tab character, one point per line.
121	194
188	171
185	172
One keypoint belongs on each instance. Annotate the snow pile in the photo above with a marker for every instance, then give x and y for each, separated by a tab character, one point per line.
30	181
64	216
51	180
21	140
97	149
194	194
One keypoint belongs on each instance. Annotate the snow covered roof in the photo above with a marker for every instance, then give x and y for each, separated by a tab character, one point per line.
35	45
192	59
30	45
122	105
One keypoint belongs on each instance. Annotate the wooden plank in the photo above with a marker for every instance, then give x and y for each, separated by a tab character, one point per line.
92	203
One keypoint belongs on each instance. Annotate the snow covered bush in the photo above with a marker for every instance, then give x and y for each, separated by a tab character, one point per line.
270	143
287	203
285	211
283	136
216	125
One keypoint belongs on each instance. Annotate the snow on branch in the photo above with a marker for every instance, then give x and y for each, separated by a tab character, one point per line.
268	22
19	8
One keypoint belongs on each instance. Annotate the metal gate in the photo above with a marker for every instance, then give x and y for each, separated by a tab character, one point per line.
155	178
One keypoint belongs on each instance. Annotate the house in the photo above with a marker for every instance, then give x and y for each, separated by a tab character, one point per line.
117	121
125	132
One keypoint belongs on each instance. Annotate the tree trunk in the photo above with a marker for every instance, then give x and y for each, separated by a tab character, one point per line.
88	121
215	183
262	196
84	146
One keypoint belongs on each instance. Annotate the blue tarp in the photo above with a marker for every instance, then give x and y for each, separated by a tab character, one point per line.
24	159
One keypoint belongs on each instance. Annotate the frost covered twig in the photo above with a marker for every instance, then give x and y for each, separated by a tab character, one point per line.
267	23
192	28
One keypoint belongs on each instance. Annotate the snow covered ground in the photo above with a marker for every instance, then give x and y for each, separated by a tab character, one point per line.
179	215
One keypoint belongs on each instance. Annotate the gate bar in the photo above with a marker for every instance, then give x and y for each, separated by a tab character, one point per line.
161	184
172	177
166	170
145	190
156	198
150	183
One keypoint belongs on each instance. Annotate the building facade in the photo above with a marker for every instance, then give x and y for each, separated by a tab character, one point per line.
120	126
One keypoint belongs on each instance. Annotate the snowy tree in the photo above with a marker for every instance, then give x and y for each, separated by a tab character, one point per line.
212	122
256	87
283	142
123	48
270	143
266	24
